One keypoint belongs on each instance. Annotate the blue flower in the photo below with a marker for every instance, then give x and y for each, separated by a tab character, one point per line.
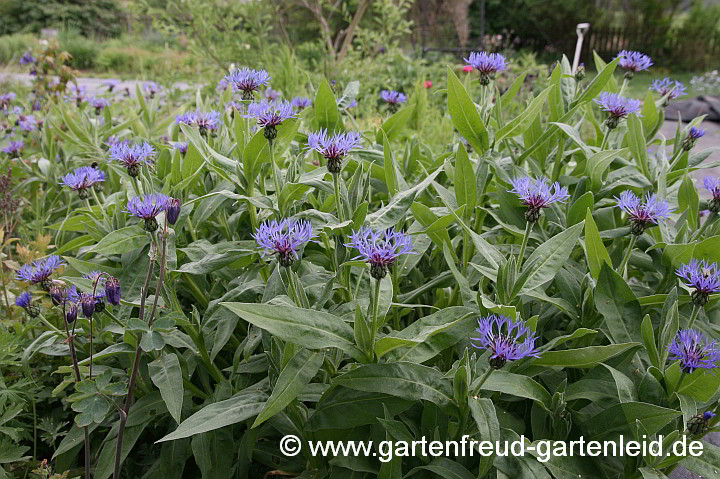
39	271
111	84
712	184
98	103
83	178
181	146
269	115
694	351
5	100
334	147
693	136
234	106
380	248
152	88
271	94
23	300
393	97
488	64
247	81
703	276
643	213
14	148
283	238
27	58
132	156
506	339
147	208
537	194
301	102
27	123
633	61
78	93
673	89
187	118
207	121
618	107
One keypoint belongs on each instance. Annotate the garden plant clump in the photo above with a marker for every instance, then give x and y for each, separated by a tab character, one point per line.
189	279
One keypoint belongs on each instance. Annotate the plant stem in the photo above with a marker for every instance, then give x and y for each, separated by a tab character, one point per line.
605	139
521	255
711	217
102	209
625	84
626	258
693	316
483	378
376	305
78	378
133	374
338	199
273	166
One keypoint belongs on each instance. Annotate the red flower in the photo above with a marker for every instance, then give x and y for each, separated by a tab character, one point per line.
467	68
428	84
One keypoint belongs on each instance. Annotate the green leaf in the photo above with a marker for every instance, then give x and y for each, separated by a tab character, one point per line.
292	380
393	126
444	467
308	328
648	336
465	182
689	201
706	464
517	385
483	412
121	241
582	357
620	418
598	163
166	374
617	303
344	408
597	84
465	116
391	173
597	255
238	408
403	379
327	115
522	122
578	210
636	142
547	259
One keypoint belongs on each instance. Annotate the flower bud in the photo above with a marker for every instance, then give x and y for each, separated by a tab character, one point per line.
87	302
172	211
71	313
112	290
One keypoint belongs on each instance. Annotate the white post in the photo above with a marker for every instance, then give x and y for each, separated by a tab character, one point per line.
581	29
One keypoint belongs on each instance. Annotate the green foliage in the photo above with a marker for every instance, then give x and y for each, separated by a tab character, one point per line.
90	17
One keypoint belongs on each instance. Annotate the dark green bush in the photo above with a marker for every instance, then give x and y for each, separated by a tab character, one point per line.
89	17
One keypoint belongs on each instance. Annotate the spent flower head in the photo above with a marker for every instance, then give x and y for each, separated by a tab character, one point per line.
703	277
334	148
643	214
699	423
537	194
488	64
83	178
380	248
247	81
283	238
147	207
39	271
694	351
132	156
506	339
633	62
618	107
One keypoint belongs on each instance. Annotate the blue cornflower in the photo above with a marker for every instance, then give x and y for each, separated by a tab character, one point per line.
643	214
488	64
111	84
187	118
27	123
694	134
269	115
222	85
234	106
633	62
132	156
666	86
380	248
334	147
23	300
14	148
151	88
207	121
393	97
703	277
98	103
301	102
694	351
147	208
83	178
247	81
5	100
271	94
712	184
40	271
78	93
181	146
618	107
508	340
283	238
537	194
27	58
